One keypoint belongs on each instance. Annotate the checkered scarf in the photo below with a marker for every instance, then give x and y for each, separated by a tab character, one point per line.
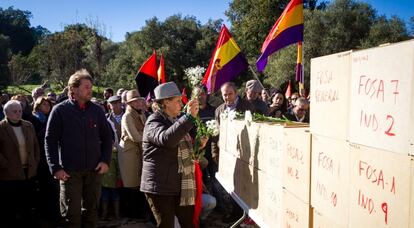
186	169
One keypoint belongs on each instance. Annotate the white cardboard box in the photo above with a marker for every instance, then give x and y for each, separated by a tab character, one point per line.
321	221
253	144
381	97
330	178
380	183
296	162
330	79
258	193
295	212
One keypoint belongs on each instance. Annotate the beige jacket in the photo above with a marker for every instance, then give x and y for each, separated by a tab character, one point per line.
130	157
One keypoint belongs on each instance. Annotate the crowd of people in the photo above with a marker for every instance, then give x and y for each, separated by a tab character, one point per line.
66	160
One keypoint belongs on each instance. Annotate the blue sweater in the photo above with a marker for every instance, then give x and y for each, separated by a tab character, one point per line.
77	139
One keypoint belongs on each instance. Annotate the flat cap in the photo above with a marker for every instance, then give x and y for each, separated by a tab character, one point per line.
114	98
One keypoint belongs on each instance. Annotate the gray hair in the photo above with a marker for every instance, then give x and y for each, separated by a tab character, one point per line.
11	104
301	100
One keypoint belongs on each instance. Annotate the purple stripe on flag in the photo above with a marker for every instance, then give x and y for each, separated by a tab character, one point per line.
291	35
228	72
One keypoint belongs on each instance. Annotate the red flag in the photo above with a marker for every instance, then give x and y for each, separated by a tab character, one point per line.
288	91
184	98
161	71
146	77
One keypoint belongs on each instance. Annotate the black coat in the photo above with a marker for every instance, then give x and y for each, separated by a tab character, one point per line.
291	116
160	148
242	106
82	138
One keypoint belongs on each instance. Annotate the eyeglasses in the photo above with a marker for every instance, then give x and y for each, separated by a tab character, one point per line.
16	111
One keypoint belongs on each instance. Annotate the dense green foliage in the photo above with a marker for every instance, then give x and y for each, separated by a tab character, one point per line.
329	28
183	41
34	55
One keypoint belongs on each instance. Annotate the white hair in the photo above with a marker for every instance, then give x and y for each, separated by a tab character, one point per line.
11	104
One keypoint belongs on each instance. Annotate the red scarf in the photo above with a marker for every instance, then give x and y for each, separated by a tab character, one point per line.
199	191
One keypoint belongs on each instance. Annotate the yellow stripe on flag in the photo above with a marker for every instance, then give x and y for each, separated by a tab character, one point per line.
291	18
227	52
300	56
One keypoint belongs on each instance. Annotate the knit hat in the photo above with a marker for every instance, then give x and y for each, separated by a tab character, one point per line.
254	85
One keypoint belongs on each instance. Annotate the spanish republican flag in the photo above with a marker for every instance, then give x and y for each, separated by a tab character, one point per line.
147	78
287	30
161	71
226	62
299	67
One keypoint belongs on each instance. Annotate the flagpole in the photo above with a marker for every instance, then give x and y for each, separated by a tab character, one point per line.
257	78
303	68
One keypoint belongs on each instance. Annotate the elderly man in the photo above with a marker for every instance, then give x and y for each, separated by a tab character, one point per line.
299	112
232	102
253	95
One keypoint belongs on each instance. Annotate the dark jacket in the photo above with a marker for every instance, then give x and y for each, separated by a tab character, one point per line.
82	137
40	129
208	113
290	115
160	148
242	106
10	164
260	107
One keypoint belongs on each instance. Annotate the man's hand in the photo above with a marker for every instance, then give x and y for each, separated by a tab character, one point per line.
61	175
102	168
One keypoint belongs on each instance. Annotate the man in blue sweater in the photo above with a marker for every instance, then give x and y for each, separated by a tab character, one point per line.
78	145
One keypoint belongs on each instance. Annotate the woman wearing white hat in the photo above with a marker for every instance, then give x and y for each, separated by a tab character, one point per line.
168	169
